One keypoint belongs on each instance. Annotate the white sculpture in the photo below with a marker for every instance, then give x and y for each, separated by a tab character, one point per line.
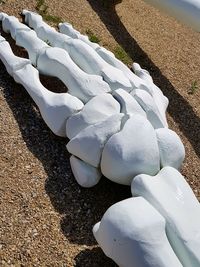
85	174
172	151
93	61
121	132
11	62
98	109
56	62
55	108
89	143
132	233
81	53
130	152
173	198
140	80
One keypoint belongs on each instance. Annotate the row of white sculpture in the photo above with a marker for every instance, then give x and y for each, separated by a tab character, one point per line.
116	124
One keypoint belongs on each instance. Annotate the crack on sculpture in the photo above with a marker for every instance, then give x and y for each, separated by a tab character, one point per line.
120	132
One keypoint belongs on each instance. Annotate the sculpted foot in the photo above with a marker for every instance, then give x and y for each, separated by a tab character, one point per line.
89	143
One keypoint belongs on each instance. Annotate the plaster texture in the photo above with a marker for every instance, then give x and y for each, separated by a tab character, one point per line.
127	103
132	233
93	138
172	151
121	132
10	61
55	108
98	109
85	174
173	198
130	152
81	53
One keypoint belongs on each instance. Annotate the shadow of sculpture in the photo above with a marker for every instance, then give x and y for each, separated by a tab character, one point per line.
179	108
88	256
80	208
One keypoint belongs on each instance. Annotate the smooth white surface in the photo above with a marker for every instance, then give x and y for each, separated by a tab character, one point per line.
171	195
24	37
89	143
122	145
34	20
11	24
172	151
160	100
109	57
186	11
85	174
10	61
96	110
82	54
67	28
128	104
55	108
43	30
132	151
147	102
33	45
55	61
2	39
88	60
132	233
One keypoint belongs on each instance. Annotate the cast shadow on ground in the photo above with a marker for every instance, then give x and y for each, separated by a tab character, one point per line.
80	208
88	256
179	108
